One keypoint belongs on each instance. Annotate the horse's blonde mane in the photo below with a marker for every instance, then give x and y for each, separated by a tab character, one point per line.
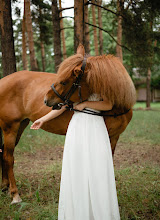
106	76
68	65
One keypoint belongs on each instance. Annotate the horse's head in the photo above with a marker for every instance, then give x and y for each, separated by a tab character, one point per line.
70	84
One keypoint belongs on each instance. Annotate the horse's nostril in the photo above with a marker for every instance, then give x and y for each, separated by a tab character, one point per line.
45	101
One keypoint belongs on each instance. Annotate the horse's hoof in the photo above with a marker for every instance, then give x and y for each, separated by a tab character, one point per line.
16	199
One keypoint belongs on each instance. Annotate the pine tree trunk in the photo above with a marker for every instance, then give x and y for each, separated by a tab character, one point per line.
33	61
95	30
119	32
42	35
86	30
24	54
43	56
62	33
100	25
78	23
150	63
7	40
148	91
56	34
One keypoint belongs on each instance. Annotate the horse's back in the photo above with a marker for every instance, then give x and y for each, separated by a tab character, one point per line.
23	78
20	89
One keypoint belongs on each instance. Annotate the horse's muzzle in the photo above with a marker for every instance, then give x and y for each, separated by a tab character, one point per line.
51	104
48	103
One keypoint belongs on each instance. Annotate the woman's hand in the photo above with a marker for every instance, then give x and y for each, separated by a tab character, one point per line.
80	106
51	115
37	124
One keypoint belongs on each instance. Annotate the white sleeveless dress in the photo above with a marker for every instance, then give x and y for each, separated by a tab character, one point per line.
87	189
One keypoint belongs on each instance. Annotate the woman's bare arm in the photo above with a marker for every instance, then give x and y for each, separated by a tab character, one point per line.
52	114
97	105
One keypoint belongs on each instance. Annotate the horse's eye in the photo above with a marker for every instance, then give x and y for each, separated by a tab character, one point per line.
63	83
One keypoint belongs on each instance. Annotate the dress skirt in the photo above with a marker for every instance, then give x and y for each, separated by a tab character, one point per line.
87	189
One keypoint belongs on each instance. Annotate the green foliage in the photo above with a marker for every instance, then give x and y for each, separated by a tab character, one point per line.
155	82
108	24
140	32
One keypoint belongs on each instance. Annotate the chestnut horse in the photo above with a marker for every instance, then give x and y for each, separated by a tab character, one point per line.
22	99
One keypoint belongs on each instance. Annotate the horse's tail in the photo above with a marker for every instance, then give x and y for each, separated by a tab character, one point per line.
1	156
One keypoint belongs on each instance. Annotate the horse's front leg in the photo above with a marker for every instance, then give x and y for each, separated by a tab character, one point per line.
10	134
5	180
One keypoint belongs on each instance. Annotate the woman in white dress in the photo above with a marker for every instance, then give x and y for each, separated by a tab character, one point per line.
88	189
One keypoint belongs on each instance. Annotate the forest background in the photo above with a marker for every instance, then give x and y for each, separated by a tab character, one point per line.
46	32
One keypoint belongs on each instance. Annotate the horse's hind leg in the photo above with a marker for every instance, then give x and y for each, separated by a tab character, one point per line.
10	135
5	180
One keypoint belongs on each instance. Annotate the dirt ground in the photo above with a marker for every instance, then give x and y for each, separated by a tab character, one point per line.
125	155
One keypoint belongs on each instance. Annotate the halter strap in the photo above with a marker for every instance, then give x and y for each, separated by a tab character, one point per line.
84	64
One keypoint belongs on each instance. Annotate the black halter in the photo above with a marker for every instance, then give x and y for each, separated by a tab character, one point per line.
75	85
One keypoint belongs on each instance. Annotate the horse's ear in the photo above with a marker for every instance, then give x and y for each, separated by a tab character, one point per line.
77	71
81	50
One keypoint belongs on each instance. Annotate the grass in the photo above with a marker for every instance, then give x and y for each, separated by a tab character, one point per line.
38	168
144	128
154	105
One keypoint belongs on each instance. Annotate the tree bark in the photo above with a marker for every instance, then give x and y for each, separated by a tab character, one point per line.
24	54
86	29
119	31
33	61
100	25
43	56
62	33
56	34
78	23
148	91
150	62
7	40
95	31
42	35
